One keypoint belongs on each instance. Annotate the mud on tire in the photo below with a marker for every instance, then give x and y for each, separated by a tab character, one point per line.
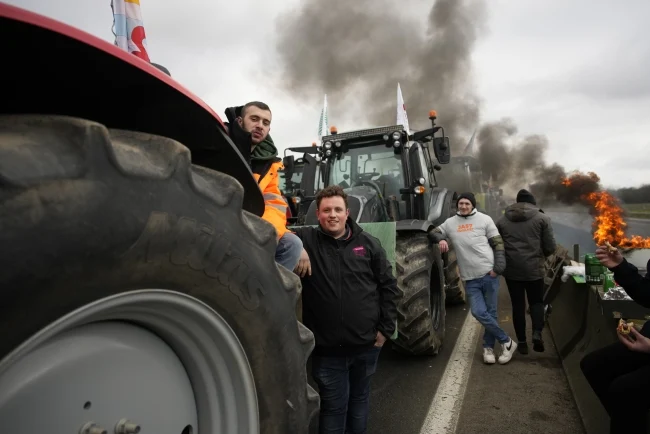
421	307
454	289
87	212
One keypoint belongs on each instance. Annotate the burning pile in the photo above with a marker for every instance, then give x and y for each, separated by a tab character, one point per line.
609	223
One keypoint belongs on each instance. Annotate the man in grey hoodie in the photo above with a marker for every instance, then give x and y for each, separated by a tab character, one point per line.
528	238
481	259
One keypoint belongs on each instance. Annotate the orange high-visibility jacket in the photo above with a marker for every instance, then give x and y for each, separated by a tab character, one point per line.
275	209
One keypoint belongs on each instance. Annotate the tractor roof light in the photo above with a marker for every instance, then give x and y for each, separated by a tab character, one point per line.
328	152
333	130
385	137
396	143
397	135
328	145
433	114
337	144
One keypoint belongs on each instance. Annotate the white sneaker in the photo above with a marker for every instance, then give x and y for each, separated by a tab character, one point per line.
508	349
488	356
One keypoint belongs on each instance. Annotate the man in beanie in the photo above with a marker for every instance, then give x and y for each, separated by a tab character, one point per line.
528	238
481	259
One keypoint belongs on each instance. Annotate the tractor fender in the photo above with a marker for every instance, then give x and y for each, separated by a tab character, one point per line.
56	69
414	225
440	208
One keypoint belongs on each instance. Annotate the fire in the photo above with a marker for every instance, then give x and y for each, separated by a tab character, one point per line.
609	223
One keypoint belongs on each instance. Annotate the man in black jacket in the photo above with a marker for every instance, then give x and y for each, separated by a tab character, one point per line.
348	302
528	239
619	373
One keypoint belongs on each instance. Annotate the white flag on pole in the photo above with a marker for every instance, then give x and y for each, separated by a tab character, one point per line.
323	127
402	118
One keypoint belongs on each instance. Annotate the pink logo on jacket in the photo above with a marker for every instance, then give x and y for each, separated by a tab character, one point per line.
359	251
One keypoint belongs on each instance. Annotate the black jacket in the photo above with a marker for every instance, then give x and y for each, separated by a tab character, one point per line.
351	292
528	239
635	285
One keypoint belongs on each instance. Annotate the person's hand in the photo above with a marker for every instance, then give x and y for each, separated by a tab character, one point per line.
380	340
492	273
444	247
304	265
609	260
640	343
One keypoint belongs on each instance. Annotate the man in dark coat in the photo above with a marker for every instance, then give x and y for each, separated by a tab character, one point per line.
349	295
528	239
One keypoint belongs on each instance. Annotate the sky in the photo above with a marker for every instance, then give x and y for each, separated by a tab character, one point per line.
577	72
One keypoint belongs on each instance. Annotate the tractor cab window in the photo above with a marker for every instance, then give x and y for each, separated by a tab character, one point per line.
289	185
375	166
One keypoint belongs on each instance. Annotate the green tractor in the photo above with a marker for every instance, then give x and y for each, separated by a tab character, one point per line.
300	180
465	174
393	194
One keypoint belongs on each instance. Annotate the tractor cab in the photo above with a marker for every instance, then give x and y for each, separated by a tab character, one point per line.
387	174
300	180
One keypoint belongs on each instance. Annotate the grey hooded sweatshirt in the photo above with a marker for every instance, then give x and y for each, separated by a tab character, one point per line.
528	239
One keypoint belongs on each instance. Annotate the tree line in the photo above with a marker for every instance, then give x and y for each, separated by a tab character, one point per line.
634	194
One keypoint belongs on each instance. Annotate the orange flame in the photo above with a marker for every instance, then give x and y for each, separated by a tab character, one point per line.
609	223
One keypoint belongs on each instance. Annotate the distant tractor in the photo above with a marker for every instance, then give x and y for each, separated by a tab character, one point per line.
300	180
390	180
465	174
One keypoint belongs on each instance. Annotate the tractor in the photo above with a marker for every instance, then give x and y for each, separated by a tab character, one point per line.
389	177
300	180
138	282
465	174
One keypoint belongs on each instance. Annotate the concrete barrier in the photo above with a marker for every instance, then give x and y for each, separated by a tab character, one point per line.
578	327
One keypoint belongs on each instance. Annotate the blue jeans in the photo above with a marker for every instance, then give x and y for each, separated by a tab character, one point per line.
288	251
483	294
344	386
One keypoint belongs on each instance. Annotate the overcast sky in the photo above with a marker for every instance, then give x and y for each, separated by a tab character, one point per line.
577	71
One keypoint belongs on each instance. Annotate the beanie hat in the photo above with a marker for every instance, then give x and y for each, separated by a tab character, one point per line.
468	196
525	196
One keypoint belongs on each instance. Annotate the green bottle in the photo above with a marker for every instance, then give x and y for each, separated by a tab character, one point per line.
593	269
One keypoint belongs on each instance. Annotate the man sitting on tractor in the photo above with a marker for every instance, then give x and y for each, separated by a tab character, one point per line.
249	127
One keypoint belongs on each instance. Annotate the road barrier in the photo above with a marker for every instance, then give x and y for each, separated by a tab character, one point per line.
581	322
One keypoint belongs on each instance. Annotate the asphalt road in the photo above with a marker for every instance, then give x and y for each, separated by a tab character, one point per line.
530	394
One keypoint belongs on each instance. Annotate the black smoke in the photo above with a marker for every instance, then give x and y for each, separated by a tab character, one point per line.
357	51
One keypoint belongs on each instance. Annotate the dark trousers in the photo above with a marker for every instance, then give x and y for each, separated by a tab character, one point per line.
344	387
621	380
519	290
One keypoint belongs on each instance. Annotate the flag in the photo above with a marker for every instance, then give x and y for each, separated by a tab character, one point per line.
469	149
402	118
128	27
323	126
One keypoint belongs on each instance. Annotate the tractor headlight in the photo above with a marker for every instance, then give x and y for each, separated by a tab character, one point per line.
337	144
421	181
385	137
328	152
396	135
396	144
328	145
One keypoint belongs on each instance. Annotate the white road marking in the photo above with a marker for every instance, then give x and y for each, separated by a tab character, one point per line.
442	417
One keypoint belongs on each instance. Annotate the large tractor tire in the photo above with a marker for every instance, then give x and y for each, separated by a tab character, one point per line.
135	292
454	289
421	307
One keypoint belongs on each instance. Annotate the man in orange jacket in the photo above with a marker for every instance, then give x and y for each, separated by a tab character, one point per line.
249	127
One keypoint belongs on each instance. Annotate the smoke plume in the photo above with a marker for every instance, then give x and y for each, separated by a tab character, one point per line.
357	51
